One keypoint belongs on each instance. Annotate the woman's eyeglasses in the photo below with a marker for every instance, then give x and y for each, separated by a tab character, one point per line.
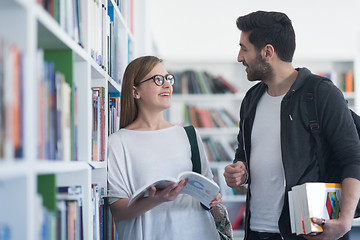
160	80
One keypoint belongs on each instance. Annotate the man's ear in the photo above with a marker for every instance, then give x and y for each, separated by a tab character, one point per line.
268	51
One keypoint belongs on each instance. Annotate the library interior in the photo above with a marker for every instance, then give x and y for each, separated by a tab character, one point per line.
61	68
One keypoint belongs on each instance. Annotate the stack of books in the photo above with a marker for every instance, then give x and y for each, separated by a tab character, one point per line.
320	200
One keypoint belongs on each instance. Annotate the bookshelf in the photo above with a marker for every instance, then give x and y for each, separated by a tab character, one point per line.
219	138
342	72
52	54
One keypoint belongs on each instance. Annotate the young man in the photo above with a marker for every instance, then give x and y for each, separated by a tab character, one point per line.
275	149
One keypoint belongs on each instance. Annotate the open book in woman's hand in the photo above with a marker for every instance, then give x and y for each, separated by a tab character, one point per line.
198	186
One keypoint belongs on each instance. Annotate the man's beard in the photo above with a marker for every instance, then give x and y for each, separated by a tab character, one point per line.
259	69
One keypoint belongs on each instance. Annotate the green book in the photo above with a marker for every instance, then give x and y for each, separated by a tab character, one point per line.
46	188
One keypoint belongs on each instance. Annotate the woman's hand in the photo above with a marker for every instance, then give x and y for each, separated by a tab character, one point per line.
216	200
167	194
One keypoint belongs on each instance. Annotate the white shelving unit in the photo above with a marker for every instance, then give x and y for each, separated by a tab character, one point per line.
26	24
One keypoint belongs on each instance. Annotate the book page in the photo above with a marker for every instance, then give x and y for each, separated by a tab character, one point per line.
292	212
200	187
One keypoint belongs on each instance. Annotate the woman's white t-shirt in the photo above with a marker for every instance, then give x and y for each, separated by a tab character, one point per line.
137	158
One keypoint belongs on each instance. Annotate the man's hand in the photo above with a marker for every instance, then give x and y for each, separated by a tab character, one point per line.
235	174
336	228
332	229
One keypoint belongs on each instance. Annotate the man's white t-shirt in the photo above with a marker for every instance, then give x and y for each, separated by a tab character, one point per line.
266	168
139	157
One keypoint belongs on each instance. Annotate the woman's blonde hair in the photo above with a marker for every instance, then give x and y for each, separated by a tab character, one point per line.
134	73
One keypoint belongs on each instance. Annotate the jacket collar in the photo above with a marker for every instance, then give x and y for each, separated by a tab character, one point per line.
299	81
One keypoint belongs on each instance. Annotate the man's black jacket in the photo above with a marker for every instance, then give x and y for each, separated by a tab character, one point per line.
297	145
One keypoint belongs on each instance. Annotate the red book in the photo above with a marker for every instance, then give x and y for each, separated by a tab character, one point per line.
205	118
230	86
236	224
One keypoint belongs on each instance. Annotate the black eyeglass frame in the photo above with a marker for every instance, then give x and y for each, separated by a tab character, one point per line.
163	79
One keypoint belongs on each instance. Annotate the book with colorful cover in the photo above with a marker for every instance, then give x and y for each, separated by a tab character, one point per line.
114	112
101	129
315	199
96	126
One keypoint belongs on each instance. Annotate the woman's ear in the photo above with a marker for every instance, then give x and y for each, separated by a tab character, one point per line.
135	93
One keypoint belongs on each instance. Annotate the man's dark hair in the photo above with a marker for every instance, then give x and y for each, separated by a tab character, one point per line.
273	28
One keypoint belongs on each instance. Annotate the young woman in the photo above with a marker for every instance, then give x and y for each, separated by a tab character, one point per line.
146	148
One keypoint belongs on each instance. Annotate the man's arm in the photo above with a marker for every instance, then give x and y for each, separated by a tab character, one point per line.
350	195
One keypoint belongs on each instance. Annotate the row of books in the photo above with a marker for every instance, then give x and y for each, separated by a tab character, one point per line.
100	33
107	39
106	30
126	7
98	124
116	47
110	229
62	209
103	221
209	118
343	80
315	199
70	213
114	112
11	101
68	14
201	82
99	214
219	150
55	109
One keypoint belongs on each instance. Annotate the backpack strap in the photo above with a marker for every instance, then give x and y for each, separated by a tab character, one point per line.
195	154
311	86
310	89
